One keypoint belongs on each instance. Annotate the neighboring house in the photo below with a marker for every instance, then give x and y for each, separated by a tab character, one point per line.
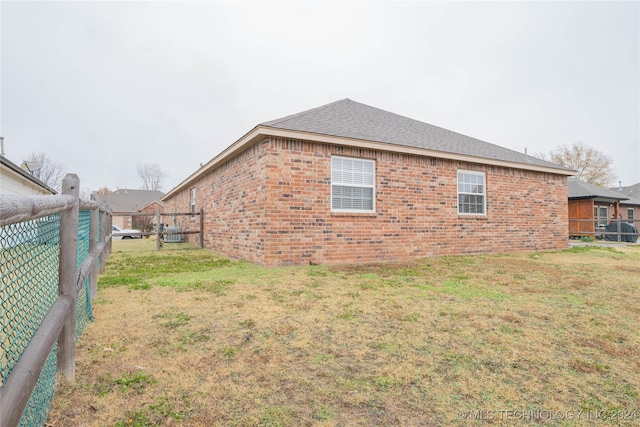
630	209
14	180
347	182
125	202
148	223
153	207
591	208
632	191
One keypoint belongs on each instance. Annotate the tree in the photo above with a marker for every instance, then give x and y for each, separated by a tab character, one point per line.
593	166
142	223
104	191
51	173
152	176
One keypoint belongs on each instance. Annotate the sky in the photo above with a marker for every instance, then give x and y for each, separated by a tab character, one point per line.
104	87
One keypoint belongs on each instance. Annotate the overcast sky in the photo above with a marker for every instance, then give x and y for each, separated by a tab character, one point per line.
106	86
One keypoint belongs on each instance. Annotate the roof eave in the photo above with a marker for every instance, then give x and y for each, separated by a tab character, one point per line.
249	138
25	175
262	131
405	149
599	197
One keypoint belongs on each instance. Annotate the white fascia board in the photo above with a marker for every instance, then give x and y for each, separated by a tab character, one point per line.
264	131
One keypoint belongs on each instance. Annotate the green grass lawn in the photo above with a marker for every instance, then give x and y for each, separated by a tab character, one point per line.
185	337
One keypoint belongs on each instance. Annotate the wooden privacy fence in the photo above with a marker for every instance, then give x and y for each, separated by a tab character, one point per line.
52	248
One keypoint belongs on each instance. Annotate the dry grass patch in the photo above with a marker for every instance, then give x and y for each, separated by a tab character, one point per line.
188	338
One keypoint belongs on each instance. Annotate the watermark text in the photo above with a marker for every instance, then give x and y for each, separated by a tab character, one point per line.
541	414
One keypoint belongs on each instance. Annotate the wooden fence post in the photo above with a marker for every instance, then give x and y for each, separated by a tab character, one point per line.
619	223
201	228
103	236
93	245
158	219
110	230
68	265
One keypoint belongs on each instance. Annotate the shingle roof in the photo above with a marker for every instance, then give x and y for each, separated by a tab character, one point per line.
578	189
347	122
630	201
350	119
630	190
128	200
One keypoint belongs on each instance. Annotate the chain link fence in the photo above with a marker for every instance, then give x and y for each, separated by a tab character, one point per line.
139	232
84	309
29	288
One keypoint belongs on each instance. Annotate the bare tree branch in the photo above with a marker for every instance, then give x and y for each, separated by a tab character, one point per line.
51	173
152	176
593	166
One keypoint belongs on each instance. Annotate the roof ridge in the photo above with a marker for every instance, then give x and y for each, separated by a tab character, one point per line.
351	123
440	128
302	113
293	122
135	189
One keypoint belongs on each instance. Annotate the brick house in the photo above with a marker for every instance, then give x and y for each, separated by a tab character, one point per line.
15	180
124	202
347	182
147	223
591	207
630	208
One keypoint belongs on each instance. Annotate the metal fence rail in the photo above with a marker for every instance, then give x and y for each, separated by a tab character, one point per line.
51	248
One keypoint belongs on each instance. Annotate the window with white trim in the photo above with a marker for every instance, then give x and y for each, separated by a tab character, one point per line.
352	184
630	215
192	202
472	198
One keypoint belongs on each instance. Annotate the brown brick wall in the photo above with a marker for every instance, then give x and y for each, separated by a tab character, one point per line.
624	211
232	197
272	206
152	207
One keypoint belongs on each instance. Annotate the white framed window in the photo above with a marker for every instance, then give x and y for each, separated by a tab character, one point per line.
353	184
472	195
192	202
630	215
